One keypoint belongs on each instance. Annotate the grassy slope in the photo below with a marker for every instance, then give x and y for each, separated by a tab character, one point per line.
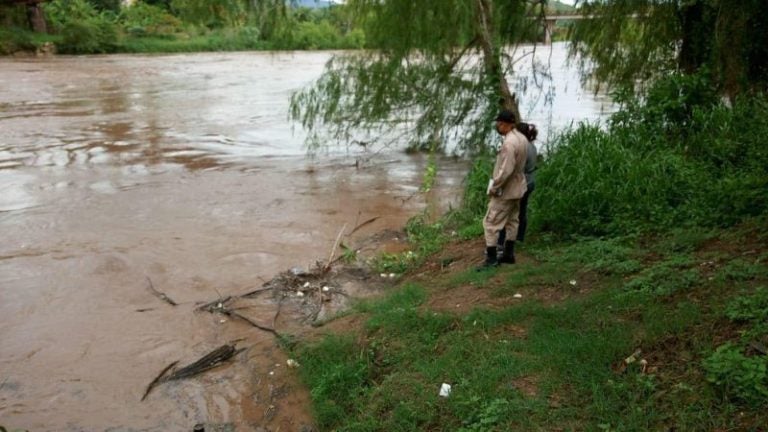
551	360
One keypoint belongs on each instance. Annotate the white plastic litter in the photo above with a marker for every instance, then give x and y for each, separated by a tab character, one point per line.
292	363
518	295
299	294
306	284
326	289
573	282
445	390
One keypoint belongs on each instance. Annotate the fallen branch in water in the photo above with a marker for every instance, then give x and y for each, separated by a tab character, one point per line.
158	379
159	294
205	363
234	314
368	222
327	267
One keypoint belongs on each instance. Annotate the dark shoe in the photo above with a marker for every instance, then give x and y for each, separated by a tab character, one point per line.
490	259
508	257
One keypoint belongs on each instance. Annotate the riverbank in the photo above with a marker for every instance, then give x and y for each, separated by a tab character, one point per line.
21	42
634	333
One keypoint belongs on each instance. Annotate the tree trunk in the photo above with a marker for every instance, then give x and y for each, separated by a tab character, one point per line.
36	18
492	56
696	36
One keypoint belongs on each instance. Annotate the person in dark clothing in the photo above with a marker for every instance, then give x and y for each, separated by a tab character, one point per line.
530	132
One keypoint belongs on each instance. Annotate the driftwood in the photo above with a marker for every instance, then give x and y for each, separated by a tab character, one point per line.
205	363
159	294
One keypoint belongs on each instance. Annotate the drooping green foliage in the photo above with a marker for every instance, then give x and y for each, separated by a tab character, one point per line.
631	40
434	76
680	157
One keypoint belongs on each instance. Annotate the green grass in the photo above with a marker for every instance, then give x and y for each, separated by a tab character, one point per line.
539	365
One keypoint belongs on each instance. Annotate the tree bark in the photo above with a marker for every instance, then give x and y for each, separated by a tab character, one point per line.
492	56
36	18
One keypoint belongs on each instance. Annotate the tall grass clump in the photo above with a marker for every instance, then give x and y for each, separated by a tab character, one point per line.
678	157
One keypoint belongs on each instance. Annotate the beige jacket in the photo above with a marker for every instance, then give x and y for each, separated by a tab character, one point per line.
509	171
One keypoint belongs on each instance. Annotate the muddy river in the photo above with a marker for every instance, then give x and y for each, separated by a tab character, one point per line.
182	170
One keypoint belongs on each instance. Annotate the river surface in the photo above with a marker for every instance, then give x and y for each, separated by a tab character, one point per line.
185	170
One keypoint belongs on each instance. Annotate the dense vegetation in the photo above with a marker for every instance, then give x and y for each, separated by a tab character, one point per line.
650	233
89	26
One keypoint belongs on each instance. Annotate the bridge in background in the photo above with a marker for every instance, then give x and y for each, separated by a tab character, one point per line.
551	20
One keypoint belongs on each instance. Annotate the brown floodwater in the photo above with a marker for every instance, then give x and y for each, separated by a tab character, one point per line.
183	169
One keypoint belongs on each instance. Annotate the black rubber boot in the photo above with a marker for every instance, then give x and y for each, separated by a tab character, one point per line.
508	257
490	259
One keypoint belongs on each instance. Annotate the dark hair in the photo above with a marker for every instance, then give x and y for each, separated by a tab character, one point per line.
529	130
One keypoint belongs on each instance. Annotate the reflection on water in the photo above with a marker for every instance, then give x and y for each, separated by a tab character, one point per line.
184	169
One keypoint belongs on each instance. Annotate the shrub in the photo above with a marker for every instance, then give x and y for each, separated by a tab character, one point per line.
742	378
89	36
145	19
671	160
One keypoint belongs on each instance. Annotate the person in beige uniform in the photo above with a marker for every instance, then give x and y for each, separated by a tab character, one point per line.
505	191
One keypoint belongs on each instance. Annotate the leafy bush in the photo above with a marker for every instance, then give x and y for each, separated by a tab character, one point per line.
60	12
90	36
739	377
679	158
752	308
15	39
145	19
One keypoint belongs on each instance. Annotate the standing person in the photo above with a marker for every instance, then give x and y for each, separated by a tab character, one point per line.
531	133
505	190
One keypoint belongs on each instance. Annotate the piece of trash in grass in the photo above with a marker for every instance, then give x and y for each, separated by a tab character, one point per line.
383	275
222	321
306	284
391	275
517	295
633	358
445	390
326	289
292	363
572	282
299	294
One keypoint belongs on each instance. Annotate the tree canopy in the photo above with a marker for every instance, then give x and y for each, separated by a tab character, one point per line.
630	41
438	70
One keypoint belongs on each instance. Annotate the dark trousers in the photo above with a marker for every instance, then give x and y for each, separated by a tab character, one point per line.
523	217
